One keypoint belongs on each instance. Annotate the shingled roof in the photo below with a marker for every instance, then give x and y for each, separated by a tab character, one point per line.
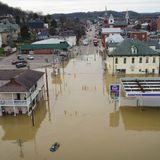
125	49
19	80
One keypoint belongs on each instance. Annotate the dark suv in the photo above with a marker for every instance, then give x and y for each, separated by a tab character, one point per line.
19	61
20	65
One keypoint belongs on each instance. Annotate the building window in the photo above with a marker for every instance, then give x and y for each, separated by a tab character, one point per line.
154	59
140	60
140	70
146	71
124	60
147	59
132	60
116	61
153	70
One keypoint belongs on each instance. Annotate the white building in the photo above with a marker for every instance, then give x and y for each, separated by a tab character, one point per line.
115	38
20	90
133	57
108	31
111	20
71	40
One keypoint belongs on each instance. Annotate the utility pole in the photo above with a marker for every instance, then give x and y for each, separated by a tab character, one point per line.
47	83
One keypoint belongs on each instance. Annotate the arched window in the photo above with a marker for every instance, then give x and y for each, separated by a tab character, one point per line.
134	50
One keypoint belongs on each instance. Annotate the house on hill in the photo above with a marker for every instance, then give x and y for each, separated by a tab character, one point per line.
20	90
133	56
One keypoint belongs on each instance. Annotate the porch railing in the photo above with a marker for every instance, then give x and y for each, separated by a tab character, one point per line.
19	102
13	102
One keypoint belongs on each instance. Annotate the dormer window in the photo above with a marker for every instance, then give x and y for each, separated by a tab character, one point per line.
134	50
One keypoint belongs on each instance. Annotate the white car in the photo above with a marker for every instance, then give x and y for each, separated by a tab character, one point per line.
30	57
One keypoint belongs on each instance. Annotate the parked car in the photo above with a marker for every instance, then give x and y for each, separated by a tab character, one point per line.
20	65
30	57
20	57
19	61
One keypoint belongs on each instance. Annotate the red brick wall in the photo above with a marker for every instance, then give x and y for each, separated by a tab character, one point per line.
142	36
158	24
43	51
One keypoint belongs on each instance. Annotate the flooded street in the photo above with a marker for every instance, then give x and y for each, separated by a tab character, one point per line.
83	119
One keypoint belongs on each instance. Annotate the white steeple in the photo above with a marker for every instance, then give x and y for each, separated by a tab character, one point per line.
106	15
111	19
127	16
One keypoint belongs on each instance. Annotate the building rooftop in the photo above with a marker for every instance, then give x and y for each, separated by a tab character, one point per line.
19	80
116	38
133	47
111	30
61	45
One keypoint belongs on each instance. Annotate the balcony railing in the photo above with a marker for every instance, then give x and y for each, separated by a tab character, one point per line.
13	102
19	102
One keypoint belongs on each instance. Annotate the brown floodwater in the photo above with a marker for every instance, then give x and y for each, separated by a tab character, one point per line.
81	116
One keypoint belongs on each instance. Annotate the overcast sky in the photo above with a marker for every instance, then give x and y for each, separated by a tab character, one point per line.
69	6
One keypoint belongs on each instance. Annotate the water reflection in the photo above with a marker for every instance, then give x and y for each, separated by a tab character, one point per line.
135	118
20	127
141	119
114	119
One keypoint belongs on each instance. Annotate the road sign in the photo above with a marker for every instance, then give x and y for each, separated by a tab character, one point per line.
115	90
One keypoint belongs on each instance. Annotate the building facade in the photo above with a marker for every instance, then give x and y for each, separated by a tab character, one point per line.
133	57
141	35
20	90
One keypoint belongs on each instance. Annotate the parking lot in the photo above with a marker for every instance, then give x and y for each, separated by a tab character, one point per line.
39	61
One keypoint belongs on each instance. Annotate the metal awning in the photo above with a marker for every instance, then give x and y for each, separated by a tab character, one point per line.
141	87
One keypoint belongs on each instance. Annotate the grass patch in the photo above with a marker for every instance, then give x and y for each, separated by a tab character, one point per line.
2	53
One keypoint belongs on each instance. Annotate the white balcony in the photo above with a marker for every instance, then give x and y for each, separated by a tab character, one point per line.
20	103
13	102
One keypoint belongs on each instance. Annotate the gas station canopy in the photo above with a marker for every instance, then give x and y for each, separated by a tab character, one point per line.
141	87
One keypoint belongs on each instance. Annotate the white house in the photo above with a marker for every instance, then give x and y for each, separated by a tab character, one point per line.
109	31
116	38
133	57
20	90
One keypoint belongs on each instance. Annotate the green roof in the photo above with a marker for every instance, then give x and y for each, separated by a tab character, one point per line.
63	45
120	24
127	47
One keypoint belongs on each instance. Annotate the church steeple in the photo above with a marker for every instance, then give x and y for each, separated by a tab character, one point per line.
111	19
106	17
127	16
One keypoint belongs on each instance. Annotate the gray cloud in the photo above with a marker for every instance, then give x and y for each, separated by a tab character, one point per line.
68	6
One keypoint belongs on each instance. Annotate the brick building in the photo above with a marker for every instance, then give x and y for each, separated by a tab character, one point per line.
141	35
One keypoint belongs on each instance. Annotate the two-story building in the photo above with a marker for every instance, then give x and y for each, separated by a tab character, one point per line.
20	90
109	31
133	56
